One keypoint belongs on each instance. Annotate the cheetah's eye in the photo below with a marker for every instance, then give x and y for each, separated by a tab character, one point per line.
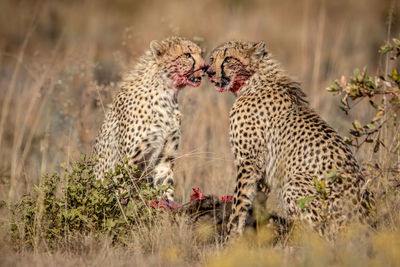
228	59
188	55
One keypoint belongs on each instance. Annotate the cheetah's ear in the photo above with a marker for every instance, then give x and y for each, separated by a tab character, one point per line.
157	48
258	49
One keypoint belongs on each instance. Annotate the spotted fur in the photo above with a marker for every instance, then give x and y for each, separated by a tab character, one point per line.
279	141
143	125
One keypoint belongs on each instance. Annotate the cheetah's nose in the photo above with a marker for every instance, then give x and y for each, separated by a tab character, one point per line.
204	68
210	73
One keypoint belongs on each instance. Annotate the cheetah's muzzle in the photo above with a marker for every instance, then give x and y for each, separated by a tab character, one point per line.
193	77
224	82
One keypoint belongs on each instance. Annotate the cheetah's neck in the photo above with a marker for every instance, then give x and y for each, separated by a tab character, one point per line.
269	77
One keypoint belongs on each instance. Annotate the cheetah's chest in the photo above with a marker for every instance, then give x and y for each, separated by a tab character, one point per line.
166	123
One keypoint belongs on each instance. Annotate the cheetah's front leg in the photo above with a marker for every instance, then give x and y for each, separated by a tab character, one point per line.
163	169
248	176
163	175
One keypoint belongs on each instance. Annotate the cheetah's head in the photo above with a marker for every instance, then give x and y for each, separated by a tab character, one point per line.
179	60
233	63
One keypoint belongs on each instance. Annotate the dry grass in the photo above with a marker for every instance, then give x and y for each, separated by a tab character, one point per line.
60	63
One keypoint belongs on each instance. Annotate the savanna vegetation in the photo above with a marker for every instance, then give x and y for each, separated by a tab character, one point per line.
60	65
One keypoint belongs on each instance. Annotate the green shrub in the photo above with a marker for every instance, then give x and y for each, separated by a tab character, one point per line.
75	203
380	135
383	94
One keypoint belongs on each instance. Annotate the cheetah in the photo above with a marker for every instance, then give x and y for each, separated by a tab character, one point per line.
143	124
280	142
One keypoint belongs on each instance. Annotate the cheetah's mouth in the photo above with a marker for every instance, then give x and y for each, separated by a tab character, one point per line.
193	77
227	84
187	79
193	80
222	86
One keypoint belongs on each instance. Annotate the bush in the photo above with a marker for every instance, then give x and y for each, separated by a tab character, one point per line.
383	94
380	136
76	204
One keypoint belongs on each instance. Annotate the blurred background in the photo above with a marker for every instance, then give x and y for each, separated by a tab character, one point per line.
61	61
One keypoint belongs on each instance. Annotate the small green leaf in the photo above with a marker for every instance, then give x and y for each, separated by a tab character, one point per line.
302	203
386	48
394	100
344	101
348	141
373	104
395	75
377	145
357	125
370	126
